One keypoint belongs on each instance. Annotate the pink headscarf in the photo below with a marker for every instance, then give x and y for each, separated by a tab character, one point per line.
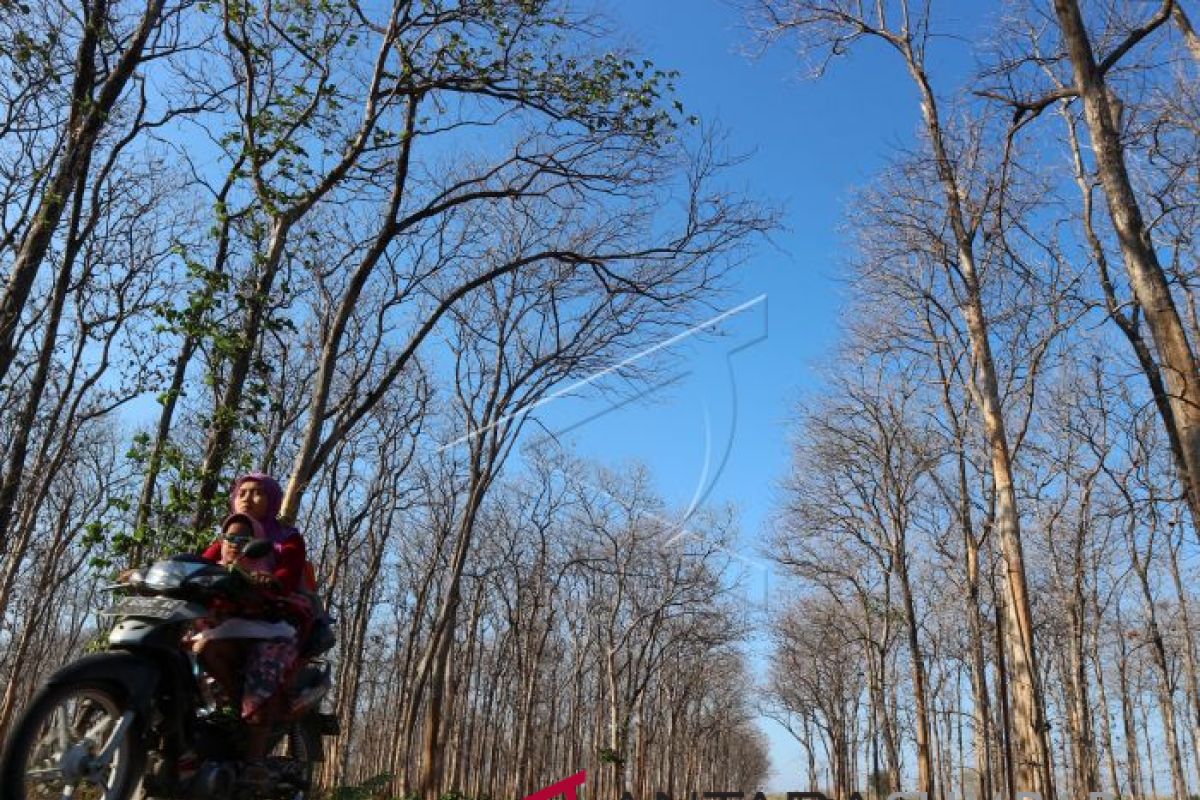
270	526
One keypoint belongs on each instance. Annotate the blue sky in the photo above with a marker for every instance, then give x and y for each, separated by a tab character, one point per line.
810	143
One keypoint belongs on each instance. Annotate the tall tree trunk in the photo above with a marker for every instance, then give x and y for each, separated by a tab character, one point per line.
23	425
1106	721
1006	750
1126	320
466	679
1150	770
443	636
1146	275
979	689
1185	29
1189	654
1075	686
90	112
1076	683
351	665
1128	721
1165	693
1032	765
187	349
925	781
229	407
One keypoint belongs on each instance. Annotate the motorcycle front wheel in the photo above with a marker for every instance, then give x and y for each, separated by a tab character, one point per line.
76	740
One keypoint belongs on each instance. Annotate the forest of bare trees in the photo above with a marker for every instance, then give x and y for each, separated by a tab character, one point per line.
992	508
350	244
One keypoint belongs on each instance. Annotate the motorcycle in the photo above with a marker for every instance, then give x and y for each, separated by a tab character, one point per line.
138	720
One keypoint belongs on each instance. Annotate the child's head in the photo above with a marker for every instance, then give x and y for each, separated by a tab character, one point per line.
237	531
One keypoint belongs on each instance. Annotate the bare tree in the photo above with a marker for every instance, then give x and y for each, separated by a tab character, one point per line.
858	479
965	200
109	49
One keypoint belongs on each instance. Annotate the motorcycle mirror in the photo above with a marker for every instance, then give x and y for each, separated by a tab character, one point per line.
257	549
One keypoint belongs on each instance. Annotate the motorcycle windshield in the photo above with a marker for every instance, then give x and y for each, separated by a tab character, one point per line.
172	574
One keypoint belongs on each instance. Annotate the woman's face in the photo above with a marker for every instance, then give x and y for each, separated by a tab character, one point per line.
251	499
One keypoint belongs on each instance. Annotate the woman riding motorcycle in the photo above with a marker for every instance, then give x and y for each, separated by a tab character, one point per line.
263	652
137	717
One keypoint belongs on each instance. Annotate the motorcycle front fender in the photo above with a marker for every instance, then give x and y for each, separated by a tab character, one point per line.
137	675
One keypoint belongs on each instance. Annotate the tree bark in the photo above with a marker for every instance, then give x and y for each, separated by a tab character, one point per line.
1185	29
90	113
1106	720
1128	720
1032	765
187	349
925	773
1146	275
225	415
23	425
1165	692
1189	655
1127	322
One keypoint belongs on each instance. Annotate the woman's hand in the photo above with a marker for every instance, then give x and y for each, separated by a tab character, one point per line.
229	551
265	580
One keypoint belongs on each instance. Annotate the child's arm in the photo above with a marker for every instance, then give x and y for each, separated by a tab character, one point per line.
212	552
